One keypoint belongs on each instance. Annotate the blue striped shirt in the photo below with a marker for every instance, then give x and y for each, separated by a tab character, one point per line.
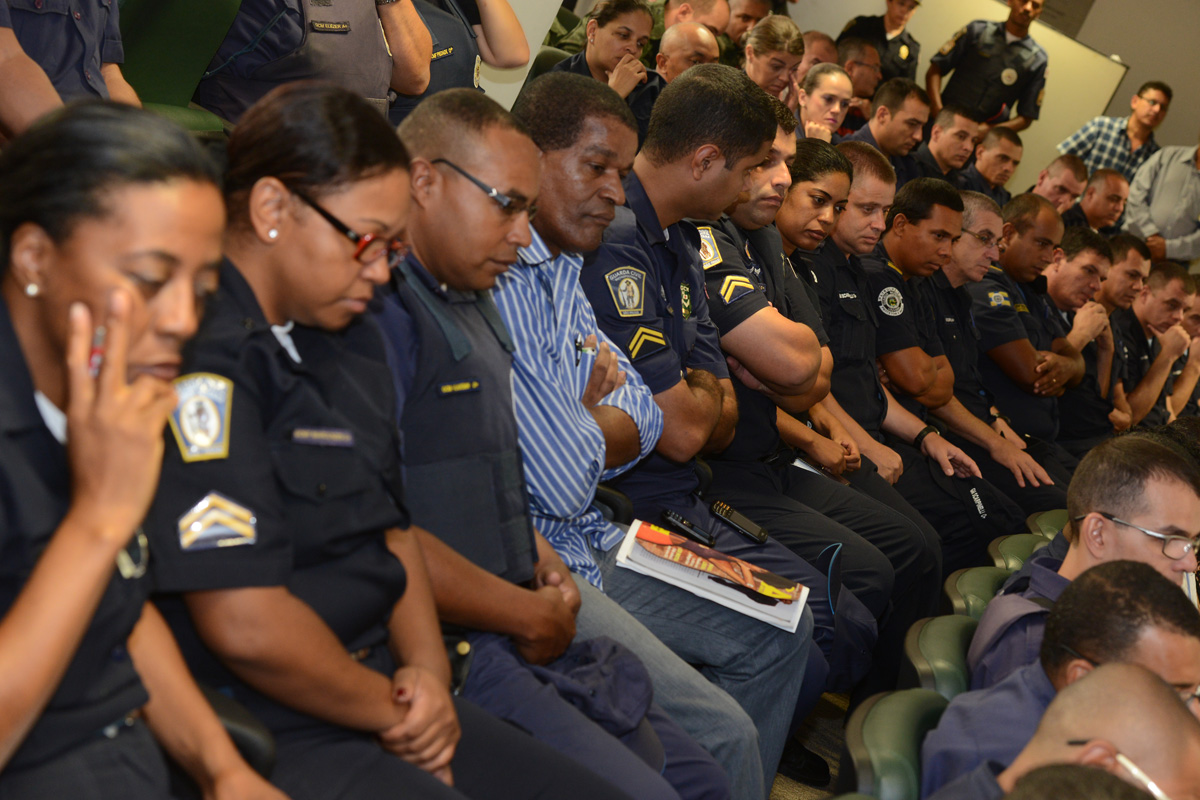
1104	143
549	317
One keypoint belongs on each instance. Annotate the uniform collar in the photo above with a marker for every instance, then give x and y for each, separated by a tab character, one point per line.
643	210
432	284
243	301
18	411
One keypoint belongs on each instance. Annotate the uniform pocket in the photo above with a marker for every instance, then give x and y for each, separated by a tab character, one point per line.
41	6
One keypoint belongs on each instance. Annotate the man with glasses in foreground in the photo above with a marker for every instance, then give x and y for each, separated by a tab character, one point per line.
1146	738
1119	612
1136	497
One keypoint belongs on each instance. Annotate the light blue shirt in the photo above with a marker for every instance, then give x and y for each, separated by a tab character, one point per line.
549	318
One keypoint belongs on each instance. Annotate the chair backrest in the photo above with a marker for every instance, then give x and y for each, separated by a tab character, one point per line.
883	742
567	18
545	60
169	44
1047	523
1011	552
935	654
969	590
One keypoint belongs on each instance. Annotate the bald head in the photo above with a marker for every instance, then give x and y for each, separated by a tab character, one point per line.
684	45
1118	708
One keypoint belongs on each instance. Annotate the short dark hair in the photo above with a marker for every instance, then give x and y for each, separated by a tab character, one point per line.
1103	174
1158	86
1184	432
1023	210
1073	782
892	93
709	104
1112	477
313	137
945	117
1072	162
64	168
1164	272
555	106
606	11
996	133
1079	238
442	123
815	159
916	200
1103	613
784	118
852	48
1122	243
867	160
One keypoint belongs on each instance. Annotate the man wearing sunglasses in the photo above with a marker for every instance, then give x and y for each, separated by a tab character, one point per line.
1144	736
1120	612
1135	497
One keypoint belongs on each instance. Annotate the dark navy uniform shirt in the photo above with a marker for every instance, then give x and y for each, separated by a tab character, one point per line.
751	274
906	167
956	329
69	40
455	60
930	168
1006	311
1140	353
280	473
1084	409
905	320
1192	407
851	320
990	75
640	100
898	56
100	686
969	179
647	289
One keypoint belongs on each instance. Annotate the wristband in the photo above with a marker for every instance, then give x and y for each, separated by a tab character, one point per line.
920	437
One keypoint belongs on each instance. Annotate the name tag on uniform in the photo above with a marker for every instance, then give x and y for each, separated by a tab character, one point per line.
461	387
324	437
324	26
448	51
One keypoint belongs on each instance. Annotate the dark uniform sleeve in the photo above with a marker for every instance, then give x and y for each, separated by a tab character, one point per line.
5	17
218	518
1029	104
996	316
734	292
952	52
856	27
705	351
470	10
112	51
898	323
622	286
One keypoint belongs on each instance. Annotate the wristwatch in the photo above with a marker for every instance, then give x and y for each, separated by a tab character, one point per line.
920	437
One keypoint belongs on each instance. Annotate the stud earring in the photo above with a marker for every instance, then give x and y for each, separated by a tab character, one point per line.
31	290
272	234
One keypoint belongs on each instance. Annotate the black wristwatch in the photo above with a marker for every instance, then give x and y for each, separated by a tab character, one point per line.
920	437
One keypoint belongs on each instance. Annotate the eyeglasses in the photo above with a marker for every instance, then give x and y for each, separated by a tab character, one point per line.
1186	695
511	206
368	246
1147	100
1174	547
1133	769
985	239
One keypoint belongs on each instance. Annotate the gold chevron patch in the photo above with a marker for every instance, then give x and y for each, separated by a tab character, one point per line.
646	338
735	286
216	521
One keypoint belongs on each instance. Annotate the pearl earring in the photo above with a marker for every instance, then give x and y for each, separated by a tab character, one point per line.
31	290
272	234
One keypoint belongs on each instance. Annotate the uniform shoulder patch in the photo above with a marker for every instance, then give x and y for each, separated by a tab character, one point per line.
646	341
216	521
735	287
948	46
200	420
891	301
710	254
999	299
628	288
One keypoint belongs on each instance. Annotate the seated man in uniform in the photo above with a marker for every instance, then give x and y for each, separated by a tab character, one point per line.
1153	338
1116	612
579	424
930	473
1062	181
493	576
1142	723
995	66
861	61
712	14
898	50
647	290
1121	489
685	45
819	48
898	115
1102	204
743	15
1123	143
1185	377
767	324
923	224
952	140
1025	357
996	159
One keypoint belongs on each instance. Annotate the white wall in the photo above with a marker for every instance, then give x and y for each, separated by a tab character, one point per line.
503	85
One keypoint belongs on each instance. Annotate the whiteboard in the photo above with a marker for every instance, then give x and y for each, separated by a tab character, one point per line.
1079	81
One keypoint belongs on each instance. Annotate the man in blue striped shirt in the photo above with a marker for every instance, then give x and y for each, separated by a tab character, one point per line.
585	415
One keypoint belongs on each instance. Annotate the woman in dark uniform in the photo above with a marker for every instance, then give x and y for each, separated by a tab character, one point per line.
617	32
110	224
290	569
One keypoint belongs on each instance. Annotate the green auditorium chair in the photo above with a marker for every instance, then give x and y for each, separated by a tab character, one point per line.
969	590
1047	523
168	46
882	757
1011	552
545	60
935	654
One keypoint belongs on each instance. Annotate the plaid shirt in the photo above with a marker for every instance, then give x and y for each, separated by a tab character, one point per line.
1104	143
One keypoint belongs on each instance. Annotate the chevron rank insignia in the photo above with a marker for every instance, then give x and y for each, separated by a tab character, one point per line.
710	254
216	521
734	287
200	421
998	299
627	286
646	341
